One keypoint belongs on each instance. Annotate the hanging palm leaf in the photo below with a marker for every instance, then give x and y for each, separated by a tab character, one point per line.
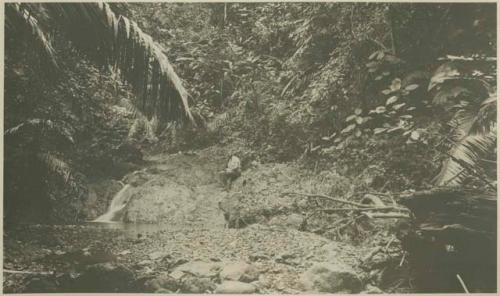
475	141
19	19
115	41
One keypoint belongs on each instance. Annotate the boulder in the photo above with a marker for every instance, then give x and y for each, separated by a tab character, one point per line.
294	220
235	287
239	271
163	291
369	289
158	199
200	268
157	255
197	285
163	281
331	278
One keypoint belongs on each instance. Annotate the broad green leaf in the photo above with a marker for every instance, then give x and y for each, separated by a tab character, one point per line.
350	118
379	130
411	87
373	55
447	93
396	84
398	106
358	111
444	72
380	109
406	116
349	128
359	120
358	133
386	91
392	59
391	100
393	129
415	135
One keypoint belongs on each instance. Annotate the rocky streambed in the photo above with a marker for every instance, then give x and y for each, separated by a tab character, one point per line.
174	239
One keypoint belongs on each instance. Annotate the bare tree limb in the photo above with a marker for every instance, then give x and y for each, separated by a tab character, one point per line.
359	205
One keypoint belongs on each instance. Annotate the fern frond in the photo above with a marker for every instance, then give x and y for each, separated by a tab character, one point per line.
134	111
56	166
135	128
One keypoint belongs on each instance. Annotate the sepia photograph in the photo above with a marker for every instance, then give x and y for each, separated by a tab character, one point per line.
249	148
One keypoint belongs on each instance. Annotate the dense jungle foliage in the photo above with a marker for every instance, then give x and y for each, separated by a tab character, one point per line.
293	147
403	93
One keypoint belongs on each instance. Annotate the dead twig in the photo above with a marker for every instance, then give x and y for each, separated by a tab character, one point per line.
462	283
352	203
389	243
346	224
372	253
402	259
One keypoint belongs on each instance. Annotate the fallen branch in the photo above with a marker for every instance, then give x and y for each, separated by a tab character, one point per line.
333	210
386	215
27	272
372	253
352	203
458	58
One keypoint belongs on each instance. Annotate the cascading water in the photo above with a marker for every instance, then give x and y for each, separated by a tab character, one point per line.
118	204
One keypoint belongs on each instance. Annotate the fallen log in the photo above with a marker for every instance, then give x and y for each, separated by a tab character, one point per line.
453	231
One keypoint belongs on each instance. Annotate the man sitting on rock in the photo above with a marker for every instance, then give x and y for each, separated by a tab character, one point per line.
231	172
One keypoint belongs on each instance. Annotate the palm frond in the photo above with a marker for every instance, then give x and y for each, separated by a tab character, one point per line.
465	156
42	125
475	139
17	18
56	166
486	116
118	41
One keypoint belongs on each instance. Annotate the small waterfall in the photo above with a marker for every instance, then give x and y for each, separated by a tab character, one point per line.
118	204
